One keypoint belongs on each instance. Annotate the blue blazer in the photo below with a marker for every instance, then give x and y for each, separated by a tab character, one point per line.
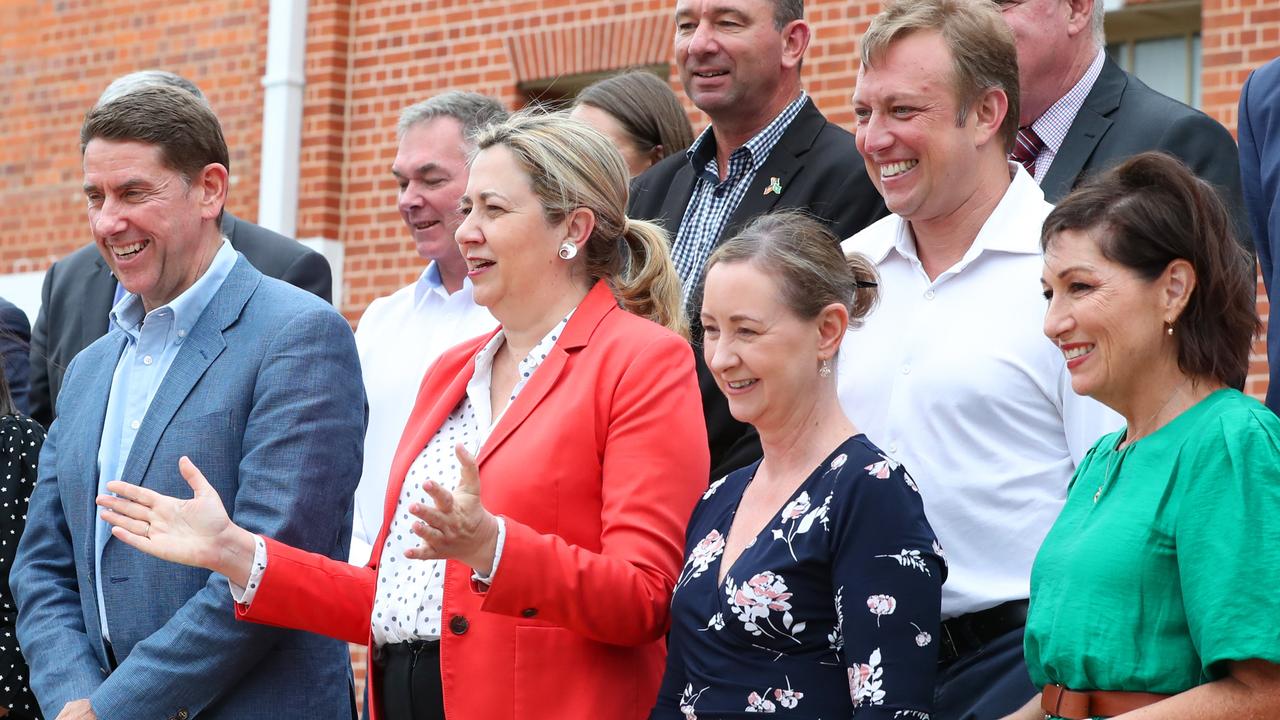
1259	132
265	397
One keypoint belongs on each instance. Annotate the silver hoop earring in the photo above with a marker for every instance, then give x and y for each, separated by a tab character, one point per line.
568	250
825	370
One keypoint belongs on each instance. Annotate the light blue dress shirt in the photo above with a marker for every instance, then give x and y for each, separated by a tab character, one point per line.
151	344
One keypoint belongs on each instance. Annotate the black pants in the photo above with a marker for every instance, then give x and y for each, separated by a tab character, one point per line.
990	682
409	681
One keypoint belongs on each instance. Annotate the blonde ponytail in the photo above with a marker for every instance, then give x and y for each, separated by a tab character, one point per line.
647	283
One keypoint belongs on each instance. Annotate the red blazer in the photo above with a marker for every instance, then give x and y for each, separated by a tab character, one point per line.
596	467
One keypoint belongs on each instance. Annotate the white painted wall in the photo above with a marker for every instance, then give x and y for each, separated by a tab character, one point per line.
23	290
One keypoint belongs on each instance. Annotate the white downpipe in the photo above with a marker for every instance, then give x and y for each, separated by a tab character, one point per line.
282	116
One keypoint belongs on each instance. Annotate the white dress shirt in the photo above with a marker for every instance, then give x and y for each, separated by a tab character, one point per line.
409	600
955	379
398	338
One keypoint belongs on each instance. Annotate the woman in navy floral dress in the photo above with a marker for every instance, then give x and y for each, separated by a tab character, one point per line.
812	581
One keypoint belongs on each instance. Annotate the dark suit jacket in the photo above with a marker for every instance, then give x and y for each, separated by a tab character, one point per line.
821	171
79	289
1259	132
1122	117
15	349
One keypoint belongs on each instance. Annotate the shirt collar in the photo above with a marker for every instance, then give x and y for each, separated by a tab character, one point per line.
129	313
1053	125
756	149
430	282
530	362
1022	196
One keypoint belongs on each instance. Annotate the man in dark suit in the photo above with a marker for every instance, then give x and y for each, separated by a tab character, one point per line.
768	147
1259	132
15	344
1082	114
79	289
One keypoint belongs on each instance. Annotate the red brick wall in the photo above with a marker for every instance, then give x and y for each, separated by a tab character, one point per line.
1238	36
56	57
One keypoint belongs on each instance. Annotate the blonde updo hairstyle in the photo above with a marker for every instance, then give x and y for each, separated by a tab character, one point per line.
805	260
570	166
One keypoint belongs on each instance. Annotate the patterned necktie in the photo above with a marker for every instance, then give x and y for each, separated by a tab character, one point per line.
1027	149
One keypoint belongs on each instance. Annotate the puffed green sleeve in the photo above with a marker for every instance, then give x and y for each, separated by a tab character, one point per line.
1227	538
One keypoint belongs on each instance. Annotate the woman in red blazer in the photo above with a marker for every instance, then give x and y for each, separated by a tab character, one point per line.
546	571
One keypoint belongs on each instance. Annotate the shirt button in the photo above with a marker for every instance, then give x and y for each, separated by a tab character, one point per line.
906	369
135	424
182	333
458	625
928	295
147	360
893	447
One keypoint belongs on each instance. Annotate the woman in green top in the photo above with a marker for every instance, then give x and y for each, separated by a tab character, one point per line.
1157	592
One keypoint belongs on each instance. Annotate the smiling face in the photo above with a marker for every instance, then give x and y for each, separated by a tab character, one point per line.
157	232
509	247
431	170
763	356
906	108
1108	321
733	60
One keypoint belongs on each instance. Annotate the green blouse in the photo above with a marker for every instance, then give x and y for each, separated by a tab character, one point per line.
1165	561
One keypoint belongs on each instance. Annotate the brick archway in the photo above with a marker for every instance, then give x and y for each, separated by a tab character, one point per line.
581	49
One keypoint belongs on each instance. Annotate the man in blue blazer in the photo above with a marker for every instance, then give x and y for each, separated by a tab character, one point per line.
1259	133
79	289
256	381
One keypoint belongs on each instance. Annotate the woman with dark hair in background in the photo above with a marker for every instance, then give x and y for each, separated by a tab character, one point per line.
1154	597
640	113
20	441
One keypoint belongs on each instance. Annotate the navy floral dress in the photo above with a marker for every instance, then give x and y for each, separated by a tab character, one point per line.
831	612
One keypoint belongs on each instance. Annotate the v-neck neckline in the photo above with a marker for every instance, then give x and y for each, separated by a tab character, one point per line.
722	573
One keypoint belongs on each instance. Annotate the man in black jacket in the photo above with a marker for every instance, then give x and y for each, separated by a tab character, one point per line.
768	147
79	290
1082	114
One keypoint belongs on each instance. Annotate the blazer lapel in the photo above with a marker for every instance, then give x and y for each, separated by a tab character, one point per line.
1090	124
585	319
99	292
677	200
774	176
203	345
430	410
99	363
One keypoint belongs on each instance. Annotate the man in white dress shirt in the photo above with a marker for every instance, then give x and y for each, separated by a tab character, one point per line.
400	335
951	374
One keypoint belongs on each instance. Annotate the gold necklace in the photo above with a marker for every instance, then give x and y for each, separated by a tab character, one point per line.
1128	443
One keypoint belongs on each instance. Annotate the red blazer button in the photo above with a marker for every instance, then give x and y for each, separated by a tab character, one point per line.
528	612
458	625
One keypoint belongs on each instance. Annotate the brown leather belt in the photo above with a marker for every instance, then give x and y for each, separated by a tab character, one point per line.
1061	702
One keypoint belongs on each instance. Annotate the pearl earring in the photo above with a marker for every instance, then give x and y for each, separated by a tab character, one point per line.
568	250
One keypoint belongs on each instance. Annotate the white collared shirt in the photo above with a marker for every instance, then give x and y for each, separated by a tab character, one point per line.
955	379
398	338
1052	127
